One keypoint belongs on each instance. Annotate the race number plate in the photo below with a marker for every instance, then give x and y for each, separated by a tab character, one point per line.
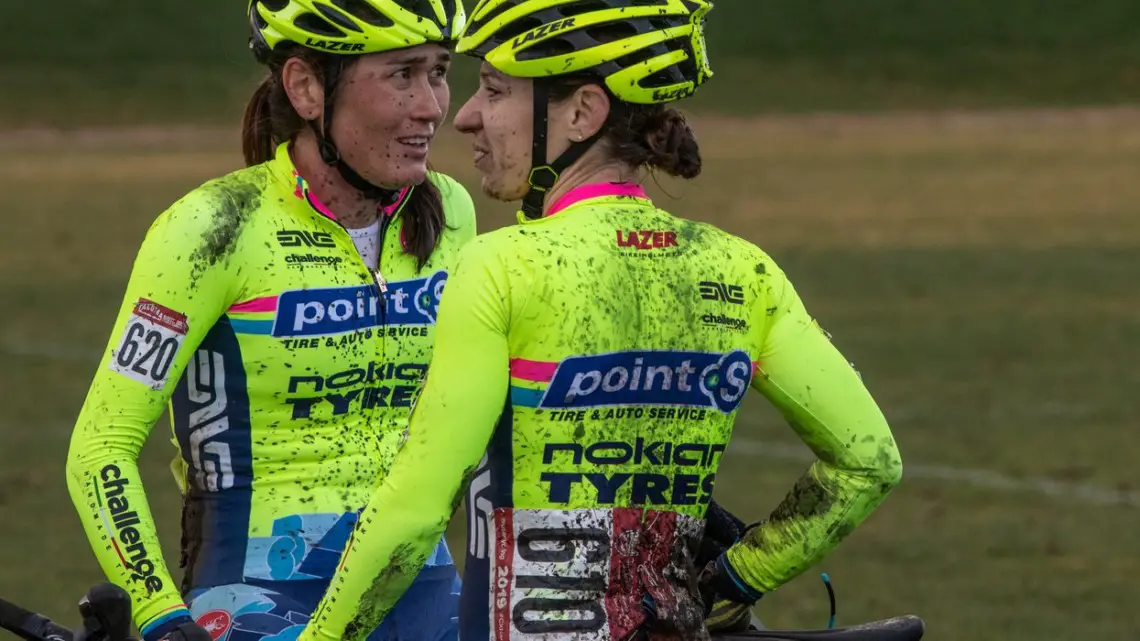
150	342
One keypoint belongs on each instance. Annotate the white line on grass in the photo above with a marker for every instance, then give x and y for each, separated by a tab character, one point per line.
1081	493
1085	493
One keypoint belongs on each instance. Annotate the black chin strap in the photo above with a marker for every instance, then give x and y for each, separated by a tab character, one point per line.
543	175
331	155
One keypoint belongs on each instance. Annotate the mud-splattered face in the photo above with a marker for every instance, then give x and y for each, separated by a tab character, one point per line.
387	110
500	116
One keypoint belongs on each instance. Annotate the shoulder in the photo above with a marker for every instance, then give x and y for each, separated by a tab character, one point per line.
458	207
214	215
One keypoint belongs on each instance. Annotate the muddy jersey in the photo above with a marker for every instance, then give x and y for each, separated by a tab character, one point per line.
289	369
587	373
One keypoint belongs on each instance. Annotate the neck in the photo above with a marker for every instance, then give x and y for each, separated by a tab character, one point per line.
350	208
587	171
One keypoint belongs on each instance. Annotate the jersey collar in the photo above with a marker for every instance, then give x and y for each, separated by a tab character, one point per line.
287	171
597	191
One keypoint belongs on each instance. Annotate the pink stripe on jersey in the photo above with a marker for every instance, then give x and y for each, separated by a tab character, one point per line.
597	190
536	371
264	304
319	206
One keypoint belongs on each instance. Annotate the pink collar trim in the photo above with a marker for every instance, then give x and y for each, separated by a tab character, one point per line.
597	190
302	191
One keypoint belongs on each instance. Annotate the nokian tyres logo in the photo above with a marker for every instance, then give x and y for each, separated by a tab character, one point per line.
696	379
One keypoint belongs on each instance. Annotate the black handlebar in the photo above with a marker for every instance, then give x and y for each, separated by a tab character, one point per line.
106	612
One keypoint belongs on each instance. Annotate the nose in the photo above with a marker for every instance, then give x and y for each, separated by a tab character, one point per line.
426	106
469	119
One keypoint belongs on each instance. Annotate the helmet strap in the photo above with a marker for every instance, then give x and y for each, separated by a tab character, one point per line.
543	175
331	155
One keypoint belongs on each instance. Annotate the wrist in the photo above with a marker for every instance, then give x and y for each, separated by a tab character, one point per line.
727	583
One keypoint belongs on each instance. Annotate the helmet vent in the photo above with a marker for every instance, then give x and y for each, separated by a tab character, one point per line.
335	16
365	12
495	13
315	24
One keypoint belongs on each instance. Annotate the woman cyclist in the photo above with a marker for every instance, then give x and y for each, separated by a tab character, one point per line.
286	313
590	360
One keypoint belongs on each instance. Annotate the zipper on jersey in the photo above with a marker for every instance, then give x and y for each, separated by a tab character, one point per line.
385	222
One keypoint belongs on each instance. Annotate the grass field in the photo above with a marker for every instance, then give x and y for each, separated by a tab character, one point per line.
980	270
159	62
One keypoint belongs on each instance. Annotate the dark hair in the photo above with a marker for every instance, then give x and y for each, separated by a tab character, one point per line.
654	136
270	120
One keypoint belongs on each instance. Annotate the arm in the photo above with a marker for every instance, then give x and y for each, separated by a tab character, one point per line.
451	425
149	347
824	400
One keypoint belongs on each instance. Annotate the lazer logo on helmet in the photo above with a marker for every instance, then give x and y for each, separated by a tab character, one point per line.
339	310
117	513
697	379
543	31
330	45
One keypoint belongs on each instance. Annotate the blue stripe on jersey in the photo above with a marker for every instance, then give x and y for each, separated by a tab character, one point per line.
211	416
251	326
498	490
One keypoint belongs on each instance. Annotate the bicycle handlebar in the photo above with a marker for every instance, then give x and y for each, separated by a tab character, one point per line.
31	626
106	612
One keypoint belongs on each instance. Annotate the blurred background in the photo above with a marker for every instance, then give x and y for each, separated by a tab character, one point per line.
952	185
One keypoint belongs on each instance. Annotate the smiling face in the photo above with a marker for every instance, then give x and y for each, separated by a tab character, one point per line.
500	117
387	109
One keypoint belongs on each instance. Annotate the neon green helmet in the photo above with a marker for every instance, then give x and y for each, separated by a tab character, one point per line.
646	51
353	26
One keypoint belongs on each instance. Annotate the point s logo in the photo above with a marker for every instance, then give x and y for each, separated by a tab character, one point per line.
121	521
339	310
696	379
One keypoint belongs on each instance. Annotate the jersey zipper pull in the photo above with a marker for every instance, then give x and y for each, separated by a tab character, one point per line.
383	284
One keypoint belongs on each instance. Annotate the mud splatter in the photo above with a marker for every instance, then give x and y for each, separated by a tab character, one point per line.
807	499
235	198
402	568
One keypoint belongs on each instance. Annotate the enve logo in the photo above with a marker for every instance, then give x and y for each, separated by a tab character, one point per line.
720	292
303	238
698	379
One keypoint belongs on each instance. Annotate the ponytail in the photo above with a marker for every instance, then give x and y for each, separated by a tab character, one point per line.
257	143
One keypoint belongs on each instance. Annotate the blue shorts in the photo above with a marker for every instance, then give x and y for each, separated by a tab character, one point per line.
278	611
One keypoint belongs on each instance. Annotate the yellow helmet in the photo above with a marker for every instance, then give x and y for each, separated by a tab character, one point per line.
353	26
646	51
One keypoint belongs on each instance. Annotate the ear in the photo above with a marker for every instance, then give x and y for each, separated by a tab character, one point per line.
304	88
590	106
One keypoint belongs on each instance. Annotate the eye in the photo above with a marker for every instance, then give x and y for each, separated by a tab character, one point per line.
439	71
404	73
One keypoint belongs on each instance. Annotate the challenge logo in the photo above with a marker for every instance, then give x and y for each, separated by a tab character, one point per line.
117	512
339	310
697	379
727	322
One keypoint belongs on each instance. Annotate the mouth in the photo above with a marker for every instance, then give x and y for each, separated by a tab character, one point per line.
480	154
416	143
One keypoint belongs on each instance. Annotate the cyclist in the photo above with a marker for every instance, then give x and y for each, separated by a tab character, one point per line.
286	313
590	361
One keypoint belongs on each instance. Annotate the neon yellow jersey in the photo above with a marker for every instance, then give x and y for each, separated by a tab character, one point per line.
587	373
289	369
